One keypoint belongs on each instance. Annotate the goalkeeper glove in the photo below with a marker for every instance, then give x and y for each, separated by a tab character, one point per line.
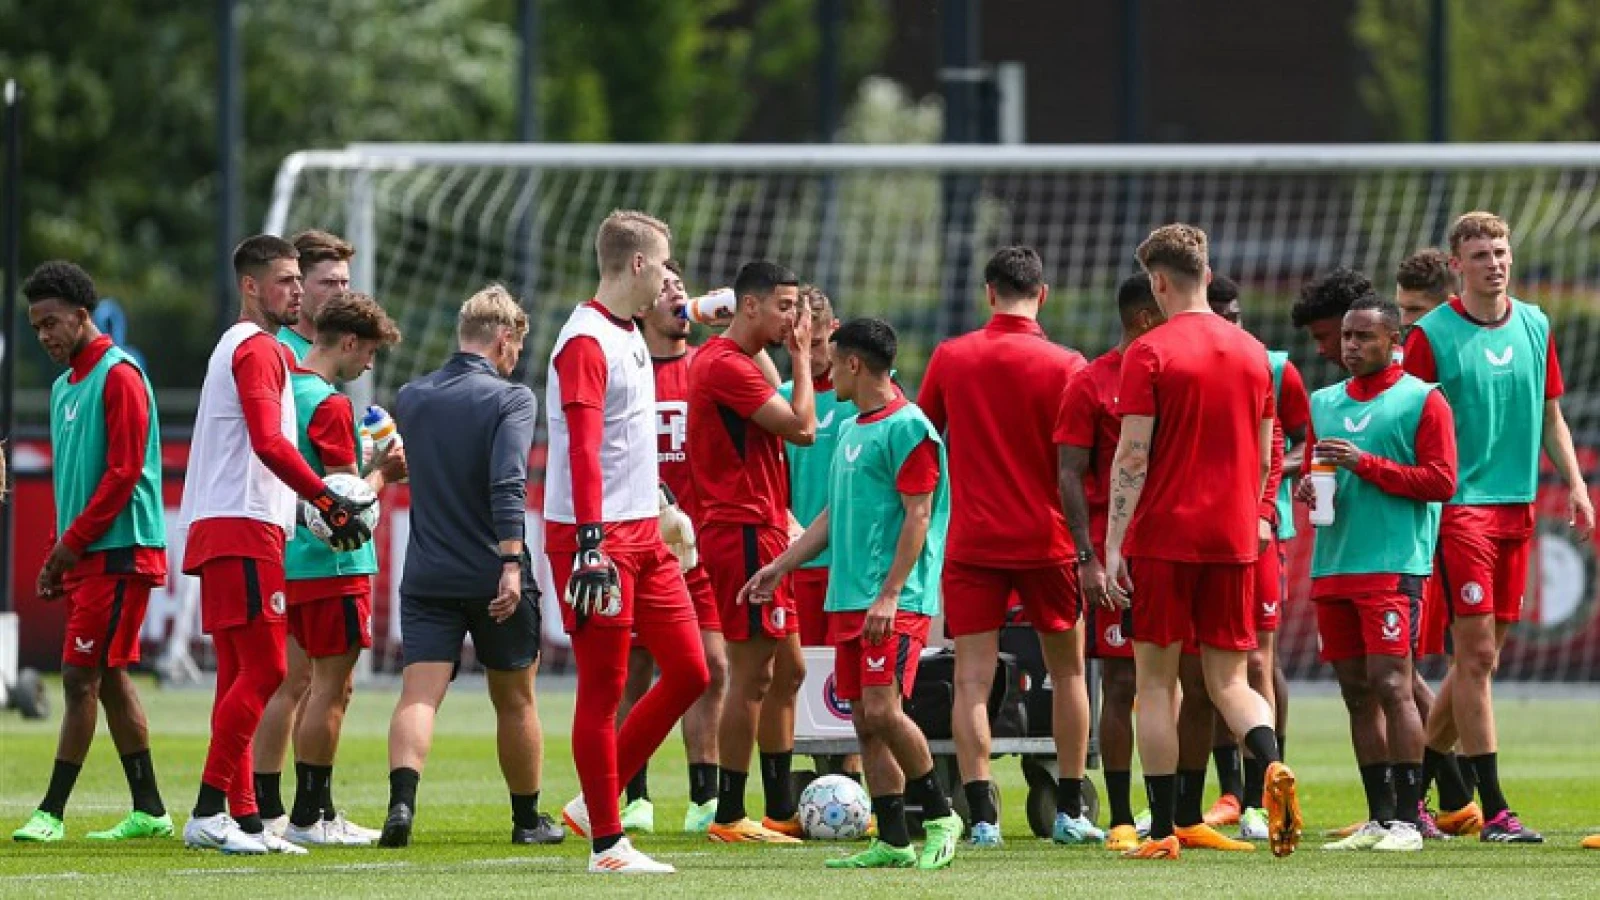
595	588
677	531
343	517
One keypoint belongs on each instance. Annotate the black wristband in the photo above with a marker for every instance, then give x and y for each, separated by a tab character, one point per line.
589	536
666	491
510	558
1085	556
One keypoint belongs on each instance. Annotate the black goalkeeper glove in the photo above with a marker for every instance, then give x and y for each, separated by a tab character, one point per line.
343	518
595	587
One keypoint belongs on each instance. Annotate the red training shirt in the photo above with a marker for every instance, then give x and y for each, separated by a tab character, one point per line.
738	466
127	411
1208	385
996	393
672	428
1293	403
1432	478
1089	420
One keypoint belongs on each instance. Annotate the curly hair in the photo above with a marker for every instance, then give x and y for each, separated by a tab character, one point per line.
1427	271
357	314
1180	249
1330	296
61	280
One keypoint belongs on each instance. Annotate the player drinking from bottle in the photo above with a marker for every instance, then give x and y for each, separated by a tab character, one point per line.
604	538
884	519
1495	356
110	546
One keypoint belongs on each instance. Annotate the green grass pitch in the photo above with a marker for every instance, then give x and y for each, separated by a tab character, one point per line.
1550	765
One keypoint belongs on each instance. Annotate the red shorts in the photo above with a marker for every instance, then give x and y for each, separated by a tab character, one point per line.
976	598
1482	573
810	590
238	590
1212	604
1434	620
332	626
1377	624
1271	572
857	664
105	614
1109	633
653	589
701	598
731	555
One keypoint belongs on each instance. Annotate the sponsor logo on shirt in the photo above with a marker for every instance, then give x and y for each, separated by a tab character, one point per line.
877	664
71	412
1391	626
640	358
277	602
851	453
826	421
83	646
1358	426
1114	636
1269	609
1499	361
1472	593
672	423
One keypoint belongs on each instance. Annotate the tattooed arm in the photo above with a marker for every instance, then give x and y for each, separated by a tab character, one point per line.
1128	470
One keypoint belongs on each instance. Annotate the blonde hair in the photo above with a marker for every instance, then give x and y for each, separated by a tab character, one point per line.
1474	225
624	233
821	306
1179	249
488	311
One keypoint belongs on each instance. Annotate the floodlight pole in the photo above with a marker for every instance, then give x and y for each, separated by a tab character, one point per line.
10	255
230	131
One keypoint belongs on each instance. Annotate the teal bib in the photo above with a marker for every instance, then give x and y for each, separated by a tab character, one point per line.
1494	379
808	466
78	448
297	345
865	513
306	557
1373	532
1277	359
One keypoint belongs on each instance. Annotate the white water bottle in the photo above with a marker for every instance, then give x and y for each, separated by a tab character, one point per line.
712	308
384	433
1323	484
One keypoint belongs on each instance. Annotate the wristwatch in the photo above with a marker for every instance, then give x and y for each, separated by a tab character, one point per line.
1085	556
507	559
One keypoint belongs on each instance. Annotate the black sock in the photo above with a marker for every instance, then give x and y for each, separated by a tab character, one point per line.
1230	777
251	823
1283	745
403	787
141	773
1255	780
775	785
891	812
730	796
1262	742
1069	796
1487	768
1190	792
1118	786
1469	778
62	778
1453	793
1161	790
602	844
310	782
212	800
980	803
525	810
269	794
702	782
639	785
1407	791
329	811
1380	792
924	791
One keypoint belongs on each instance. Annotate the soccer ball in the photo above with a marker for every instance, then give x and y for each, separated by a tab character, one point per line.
351	486
834	808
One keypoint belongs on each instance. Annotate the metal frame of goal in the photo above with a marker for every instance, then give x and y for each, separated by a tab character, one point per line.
902	232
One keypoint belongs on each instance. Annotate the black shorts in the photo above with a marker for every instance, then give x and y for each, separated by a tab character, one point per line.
432	629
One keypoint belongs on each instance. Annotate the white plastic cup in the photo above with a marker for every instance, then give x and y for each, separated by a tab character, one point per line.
709	309
1323	484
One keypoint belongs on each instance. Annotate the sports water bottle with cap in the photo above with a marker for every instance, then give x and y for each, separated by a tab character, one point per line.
1322	484
709	309
378	423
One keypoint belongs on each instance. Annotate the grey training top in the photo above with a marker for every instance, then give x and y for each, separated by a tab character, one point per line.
467	433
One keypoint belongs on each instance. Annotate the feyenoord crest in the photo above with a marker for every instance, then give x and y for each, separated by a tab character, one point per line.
276	601
1472	593
1114	636
780	617
1391	625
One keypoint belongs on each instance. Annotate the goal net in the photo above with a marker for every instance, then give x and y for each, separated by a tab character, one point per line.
903	232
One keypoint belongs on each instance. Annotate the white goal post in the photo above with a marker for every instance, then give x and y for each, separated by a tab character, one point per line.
903	232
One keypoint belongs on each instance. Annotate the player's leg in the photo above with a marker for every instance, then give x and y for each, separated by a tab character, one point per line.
1230	775
279	722
638	814
684	677
810	590
130	732
1156	732
885	777
1053	604
333	656
975	608
1389	676
775	735
1196	716
749	677
699	728
431	635
1117	686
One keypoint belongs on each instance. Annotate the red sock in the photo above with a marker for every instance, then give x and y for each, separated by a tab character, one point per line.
250	666
601	654
684	678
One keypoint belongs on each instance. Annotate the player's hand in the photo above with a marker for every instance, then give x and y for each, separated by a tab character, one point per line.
1264	532
800	335
391	462
56	565
509	593
1121	582
1340	452
1580	511
595	588
1093	583
795	529
762	586
343	517
1304	492
880	618
677	532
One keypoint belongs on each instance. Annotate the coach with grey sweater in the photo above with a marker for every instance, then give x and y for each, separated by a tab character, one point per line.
467	432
